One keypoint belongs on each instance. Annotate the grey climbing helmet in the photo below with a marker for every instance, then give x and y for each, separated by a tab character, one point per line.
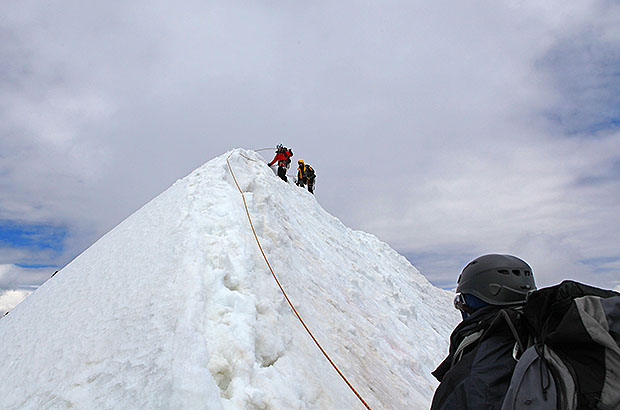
497	279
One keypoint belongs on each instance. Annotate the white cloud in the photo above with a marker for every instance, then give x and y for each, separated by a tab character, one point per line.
427	122
11	298
17	278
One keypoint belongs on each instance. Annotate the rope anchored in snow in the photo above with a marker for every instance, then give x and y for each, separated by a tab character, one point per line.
247	211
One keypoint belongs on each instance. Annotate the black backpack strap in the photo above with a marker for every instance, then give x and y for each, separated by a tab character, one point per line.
510	321
513	320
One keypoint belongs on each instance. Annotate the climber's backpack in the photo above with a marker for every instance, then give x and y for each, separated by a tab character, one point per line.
288	153
571	358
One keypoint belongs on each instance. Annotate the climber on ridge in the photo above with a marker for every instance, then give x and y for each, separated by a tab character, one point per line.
305	175
283	157
301	181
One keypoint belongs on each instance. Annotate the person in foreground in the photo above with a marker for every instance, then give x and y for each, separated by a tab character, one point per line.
518	347
477	372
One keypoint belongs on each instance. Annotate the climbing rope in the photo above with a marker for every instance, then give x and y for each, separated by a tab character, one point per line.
247	211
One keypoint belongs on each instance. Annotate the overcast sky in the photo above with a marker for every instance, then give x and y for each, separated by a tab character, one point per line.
448	129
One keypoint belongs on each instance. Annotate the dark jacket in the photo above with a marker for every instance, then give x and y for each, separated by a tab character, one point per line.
309	173
477	376
300	174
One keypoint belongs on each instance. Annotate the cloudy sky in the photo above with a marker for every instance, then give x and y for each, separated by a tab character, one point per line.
449	129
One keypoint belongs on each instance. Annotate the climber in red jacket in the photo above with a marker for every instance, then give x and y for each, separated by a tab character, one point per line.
283	157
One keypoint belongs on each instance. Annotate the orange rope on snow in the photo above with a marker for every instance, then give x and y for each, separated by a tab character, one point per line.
245	204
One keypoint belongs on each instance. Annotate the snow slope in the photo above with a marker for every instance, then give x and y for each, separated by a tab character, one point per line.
176	309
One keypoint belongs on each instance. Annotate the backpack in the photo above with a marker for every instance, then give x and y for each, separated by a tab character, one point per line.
309	172
568	350
287	153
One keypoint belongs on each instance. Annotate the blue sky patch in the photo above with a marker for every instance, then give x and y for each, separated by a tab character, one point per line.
608	172
441	269
584	69
34	266
43	237
603	264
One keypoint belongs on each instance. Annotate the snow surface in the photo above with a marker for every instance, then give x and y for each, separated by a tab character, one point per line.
176	309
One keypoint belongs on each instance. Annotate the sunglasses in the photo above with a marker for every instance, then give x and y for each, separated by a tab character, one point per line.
461	304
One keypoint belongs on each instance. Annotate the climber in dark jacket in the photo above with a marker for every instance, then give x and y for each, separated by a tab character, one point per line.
477	371
305	175
310	176
301	178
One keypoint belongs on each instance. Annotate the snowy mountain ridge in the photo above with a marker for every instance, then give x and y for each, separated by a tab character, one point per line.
175	308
